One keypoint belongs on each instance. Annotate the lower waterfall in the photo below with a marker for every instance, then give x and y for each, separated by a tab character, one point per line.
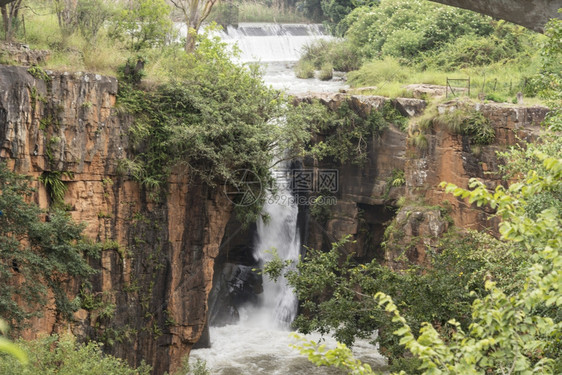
278	233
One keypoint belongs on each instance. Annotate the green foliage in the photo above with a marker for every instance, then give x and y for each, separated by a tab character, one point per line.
198	368
91	16
392	116
304	69
341	357
132	71
40	254
143	24
467	121
326	72
54	185
379	72
38	73
335	291
397	178
344	135
62	355
548	81
495	98
506	42
214	117
403	28
418	140
500	316
256	11
523	159
320	211
339	53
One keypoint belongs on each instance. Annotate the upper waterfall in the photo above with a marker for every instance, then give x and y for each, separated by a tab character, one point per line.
272	42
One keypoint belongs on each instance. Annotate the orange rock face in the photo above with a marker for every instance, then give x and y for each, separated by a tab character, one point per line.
156	269
367	201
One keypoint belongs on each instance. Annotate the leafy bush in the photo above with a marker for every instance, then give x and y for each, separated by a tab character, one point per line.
304	69
91	16
344	135
468	121
326	72
470	50
404	29
62	355
341	54
215	117
54	185
336	292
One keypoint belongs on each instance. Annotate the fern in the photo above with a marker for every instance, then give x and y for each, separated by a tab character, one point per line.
55	186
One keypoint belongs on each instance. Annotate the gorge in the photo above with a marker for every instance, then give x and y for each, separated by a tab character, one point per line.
162	256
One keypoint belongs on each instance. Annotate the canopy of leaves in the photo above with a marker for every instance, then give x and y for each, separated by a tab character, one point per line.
37	252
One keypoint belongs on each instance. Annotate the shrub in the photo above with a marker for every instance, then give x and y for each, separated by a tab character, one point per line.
63	356
326	72
404	28
470	122
339	53
304	69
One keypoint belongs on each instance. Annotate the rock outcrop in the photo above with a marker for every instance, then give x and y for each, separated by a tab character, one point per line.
156	269
368	194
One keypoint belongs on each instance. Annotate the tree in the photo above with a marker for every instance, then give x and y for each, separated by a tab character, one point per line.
195	12
10	11
144	23
91	15
66	16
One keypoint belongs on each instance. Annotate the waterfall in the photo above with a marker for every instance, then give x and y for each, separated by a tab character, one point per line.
259	342
270	42
278	303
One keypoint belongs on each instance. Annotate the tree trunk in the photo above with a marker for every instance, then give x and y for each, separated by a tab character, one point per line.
7	21
191	38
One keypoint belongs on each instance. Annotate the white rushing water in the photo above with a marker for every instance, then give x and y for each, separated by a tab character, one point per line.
260	343
278	303
248	350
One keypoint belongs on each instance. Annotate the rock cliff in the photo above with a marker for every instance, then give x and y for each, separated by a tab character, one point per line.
149	298
368	195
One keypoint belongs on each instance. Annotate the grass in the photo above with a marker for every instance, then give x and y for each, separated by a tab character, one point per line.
72	53
500	81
